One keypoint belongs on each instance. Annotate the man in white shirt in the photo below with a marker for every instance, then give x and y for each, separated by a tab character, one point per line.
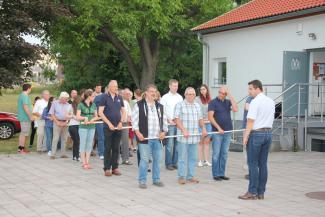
39	106
258	139
169	101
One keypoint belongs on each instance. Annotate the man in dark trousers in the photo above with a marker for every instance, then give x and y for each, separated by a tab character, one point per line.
111	109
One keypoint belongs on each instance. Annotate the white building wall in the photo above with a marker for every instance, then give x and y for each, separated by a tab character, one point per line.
257	52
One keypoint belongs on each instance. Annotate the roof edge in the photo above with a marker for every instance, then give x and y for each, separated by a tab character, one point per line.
264	20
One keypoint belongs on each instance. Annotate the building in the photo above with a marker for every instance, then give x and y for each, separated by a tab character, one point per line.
280	42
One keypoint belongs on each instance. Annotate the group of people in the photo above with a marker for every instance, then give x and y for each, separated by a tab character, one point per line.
185	127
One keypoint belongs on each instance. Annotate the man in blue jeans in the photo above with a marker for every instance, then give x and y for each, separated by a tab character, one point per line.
258	139
169	101
220	119
99	126
149	121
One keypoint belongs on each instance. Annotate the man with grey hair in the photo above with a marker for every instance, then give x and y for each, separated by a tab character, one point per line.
39	106
188	119
61	112
111	110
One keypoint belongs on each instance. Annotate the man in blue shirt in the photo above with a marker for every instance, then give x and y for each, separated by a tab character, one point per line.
111	109
220	119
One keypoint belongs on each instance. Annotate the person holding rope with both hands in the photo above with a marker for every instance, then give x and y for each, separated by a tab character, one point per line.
150	126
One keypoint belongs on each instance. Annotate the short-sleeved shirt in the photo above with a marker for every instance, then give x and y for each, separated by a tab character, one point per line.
204	107
222	116
261	110
112	109
189	114
61	110
248	100
39	106
97	99
24	100
87	111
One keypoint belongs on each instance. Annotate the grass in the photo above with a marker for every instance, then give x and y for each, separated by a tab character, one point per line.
8	103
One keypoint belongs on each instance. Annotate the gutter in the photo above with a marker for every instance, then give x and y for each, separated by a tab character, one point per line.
207	58
265	20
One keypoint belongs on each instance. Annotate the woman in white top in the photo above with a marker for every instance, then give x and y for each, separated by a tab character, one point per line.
203	99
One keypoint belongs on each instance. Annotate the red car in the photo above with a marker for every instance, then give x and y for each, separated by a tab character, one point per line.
9	125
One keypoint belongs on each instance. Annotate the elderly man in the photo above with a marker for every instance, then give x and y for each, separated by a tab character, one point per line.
220	119
111	110
258	139
149	121
61	112
188	119
39	106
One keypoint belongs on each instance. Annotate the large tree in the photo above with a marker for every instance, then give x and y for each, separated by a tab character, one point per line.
140	30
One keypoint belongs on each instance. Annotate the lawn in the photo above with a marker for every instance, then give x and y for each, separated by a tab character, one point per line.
8	103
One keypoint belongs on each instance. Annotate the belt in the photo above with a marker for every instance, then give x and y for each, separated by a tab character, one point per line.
263	129
62	120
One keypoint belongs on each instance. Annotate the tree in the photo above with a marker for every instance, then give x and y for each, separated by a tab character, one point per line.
19	18
137	29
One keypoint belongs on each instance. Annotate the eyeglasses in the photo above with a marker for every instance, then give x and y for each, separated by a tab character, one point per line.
190	94
222	93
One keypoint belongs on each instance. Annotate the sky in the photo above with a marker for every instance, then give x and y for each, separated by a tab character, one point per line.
32	39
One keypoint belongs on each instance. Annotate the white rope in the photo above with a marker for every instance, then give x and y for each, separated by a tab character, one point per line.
197	134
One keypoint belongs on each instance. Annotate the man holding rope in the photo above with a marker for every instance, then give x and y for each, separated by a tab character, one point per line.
150	125
188	119
111	109
258	139
220	119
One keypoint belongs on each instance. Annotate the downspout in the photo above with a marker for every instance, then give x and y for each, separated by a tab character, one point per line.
207	58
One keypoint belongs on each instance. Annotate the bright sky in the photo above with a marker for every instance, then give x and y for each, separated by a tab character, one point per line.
32	39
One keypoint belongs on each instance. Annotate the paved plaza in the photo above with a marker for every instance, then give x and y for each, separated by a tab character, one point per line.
34	185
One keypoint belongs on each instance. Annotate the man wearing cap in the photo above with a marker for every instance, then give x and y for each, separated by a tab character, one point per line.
61	112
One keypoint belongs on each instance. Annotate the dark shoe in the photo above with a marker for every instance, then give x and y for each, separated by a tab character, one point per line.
247	177
116	172
224	177
158	184
260	197
170	167
108	173
181	181
142	186
135	150
175	167
150	161
127	162
149	170
248	196
93	154
217	178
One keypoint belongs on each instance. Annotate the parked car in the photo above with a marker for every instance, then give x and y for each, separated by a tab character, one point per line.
9	125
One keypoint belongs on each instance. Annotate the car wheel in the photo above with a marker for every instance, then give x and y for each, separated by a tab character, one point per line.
6	130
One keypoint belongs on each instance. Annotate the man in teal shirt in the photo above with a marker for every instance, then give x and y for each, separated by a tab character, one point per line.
24	116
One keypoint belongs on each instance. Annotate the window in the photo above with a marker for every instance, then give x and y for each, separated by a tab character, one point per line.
218	72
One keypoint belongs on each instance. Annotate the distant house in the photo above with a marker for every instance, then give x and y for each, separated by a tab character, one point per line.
46	63
280	42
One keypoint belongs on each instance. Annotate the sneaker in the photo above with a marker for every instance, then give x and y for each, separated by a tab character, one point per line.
127	162
224	178
49	153
158	184
207	163
200	164
143	186
77	159
101	157
135	150
170	167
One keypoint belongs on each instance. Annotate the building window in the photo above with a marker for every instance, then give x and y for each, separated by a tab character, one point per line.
222	73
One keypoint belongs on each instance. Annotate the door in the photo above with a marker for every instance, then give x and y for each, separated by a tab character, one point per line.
295	70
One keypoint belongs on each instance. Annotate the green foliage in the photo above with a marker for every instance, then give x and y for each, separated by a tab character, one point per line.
136	42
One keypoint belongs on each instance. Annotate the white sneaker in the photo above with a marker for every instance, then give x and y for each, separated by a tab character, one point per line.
200	164
206	163
101	157
49	153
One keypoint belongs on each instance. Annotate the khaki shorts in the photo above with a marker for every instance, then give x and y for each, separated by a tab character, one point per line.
25	128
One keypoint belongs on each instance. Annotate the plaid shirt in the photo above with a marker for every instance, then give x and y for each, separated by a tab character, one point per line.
153	121
189	114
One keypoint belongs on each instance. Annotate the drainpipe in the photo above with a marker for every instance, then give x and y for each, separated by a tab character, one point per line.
206	63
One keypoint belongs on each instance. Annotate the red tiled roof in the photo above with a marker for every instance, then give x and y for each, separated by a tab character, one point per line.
258	9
